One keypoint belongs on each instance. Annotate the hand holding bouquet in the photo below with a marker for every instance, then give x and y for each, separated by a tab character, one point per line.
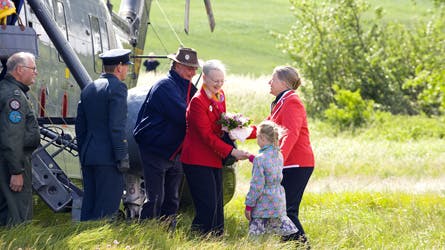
236	125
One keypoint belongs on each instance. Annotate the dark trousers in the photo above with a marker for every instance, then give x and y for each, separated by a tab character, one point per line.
162	179
15	207
206	188
294	183
103	188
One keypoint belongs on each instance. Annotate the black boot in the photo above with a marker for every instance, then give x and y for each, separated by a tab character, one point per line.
299	238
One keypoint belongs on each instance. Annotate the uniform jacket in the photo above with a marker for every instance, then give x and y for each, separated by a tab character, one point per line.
19	130
266	195
101	121
160	126
202	144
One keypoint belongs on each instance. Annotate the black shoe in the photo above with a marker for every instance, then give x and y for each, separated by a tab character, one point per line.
172	225
300	239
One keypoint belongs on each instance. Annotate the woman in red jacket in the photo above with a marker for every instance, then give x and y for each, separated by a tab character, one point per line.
203	151
289	113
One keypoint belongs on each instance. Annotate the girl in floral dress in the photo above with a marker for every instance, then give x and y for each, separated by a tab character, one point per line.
265	201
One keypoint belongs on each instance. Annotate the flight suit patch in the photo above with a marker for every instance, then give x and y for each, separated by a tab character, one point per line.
15	116
14	104
17	92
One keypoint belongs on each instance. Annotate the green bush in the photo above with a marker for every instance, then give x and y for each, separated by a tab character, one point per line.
349	109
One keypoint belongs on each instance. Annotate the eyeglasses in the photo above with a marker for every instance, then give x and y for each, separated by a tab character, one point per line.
34	69
218	82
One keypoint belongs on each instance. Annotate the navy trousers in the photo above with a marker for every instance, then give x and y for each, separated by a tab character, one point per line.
103	188
206	188
162	179
294	182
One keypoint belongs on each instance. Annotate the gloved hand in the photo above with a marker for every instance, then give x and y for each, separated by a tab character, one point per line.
124	164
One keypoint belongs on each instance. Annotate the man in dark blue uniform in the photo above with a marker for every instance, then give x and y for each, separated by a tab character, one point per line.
101	136
159	132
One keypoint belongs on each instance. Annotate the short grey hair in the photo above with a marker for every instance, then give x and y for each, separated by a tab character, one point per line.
213	65
17	59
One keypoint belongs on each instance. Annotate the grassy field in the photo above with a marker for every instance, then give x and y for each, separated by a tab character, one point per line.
403	11
359	220
381	187
241	37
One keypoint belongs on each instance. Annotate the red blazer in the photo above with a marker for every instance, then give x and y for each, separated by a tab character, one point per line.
290	114
202	144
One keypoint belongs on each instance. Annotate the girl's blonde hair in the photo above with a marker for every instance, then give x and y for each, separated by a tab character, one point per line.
270	130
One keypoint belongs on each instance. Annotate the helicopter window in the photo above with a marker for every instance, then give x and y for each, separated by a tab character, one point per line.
28	14
60	17
96	40
104	31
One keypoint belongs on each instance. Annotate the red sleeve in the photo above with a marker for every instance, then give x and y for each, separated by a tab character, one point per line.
293	115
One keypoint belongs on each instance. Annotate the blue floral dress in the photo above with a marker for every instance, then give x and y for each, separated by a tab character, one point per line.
266	195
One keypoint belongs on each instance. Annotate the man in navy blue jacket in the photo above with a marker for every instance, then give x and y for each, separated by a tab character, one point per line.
102	139
160	131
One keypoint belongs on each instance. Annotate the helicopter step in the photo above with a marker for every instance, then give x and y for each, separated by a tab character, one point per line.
51	183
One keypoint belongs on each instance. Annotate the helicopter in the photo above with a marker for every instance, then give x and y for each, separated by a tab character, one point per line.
67	37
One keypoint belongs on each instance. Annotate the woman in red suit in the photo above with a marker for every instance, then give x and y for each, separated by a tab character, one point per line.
289	113
203	151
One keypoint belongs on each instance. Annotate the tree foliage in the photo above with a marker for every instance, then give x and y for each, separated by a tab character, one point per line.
401	69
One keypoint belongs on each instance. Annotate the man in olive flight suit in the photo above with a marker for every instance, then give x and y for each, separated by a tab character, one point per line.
102	139
19	137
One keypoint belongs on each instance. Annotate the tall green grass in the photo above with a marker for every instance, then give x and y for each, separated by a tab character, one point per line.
358	220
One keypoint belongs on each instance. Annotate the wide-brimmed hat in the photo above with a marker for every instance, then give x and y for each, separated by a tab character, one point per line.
186	56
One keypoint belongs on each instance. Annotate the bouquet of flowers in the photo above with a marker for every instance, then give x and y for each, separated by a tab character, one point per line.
236	125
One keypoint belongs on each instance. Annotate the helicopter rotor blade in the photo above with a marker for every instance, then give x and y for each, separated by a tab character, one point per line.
187	16
210	14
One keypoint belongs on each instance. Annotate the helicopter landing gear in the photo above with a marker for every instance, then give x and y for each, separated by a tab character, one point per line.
134	196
